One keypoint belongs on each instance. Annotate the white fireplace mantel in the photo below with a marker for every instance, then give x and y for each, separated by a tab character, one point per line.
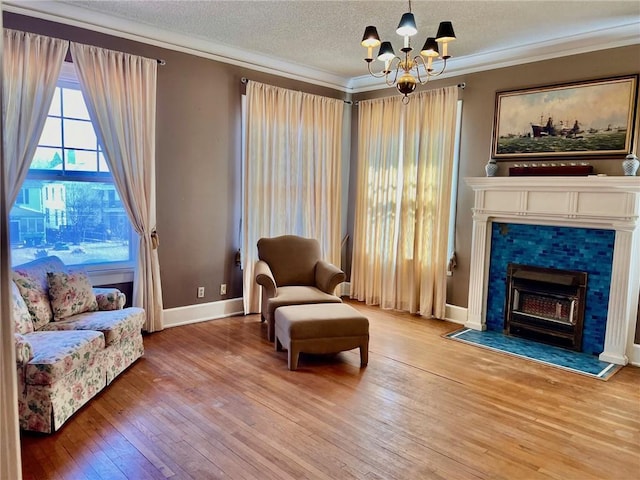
611	203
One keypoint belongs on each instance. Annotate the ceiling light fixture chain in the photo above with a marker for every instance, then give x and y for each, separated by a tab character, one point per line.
407	81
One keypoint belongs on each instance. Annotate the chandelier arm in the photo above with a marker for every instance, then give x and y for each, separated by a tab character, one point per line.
444	65
397	69
376	75
418	60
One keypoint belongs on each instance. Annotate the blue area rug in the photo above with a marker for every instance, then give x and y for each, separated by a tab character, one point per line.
558	357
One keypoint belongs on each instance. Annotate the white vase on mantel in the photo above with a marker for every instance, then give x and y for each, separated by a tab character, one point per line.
491	168
630	165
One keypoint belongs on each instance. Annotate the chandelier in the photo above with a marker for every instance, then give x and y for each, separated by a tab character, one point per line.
417	69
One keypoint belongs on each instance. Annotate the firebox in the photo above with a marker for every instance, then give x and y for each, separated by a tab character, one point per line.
545	304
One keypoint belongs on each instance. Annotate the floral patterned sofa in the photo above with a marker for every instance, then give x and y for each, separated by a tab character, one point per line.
71	340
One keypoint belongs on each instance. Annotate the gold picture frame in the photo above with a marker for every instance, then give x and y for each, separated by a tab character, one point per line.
579	120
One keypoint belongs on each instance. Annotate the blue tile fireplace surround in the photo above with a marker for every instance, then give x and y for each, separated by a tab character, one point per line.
582	249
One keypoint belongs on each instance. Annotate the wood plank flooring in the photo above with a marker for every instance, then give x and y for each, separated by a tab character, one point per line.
214	400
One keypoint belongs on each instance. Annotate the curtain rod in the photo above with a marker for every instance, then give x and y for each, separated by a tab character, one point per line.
160	61
245	80
461	86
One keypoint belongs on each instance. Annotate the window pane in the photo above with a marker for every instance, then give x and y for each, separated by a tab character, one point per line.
73	104
80	222
80	160
55	103
79	134
102	162
47	158
51	133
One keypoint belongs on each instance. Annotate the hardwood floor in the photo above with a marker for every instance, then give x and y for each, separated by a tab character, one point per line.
214	400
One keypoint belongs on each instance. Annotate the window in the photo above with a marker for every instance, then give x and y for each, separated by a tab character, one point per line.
68	205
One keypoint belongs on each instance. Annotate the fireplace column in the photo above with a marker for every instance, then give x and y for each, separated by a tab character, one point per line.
479	270
622	300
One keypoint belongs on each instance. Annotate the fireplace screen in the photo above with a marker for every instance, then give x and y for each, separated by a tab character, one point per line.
546	304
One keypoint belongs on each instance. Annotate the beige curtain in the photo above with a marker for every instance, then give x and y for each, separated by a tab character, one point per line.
10	466
405	162
292	181
375	234
120	92
31	68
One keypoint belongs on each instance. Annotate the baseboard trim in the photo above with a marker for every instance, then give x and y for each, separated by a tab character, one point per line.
455	314
202	312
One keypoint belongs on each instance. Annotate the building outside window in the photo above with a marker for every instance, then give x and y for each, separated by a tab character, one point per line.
69	206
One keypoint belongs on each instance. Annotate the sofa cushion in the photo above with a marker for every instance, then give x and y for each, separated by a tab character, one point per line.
20	312
109	298
55	354
299	295
31	279
114	324
70	293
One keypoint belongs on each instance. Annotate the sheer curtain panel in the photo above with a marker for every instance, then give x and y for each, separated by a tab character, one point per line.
375	233
31	66
405	167
120	92
292	181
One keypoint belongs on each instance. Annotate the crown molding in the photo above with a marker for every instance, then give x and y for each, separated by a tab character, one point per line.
598	39
99	22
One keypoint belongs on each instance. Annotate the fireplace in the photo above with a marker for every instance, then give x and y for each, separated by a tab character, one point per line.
608	206
545	304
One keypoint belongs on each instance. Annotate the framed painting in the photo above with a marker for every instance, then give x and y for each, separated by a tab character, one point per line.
578	120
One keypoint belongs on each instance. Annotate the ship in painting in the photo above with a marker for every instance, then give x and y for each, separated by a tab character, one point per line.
550	129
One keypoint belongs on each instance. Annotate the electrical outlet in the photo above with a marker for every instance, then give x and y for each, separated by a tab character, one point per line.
223	289
200	292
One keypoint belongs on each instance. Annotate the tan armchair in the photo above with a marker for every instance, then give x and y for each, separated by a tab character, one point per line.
291	273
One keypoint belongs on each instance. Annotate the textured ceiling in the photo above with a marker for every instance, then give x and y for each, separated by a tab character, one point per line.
325	35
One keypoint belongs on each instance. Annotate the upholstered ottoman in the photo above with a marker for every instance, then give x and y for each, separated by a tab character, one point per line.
321	328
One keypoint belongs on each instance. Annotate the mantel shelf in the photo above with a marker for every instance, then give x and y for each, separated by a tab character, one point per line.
602	202
591	182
